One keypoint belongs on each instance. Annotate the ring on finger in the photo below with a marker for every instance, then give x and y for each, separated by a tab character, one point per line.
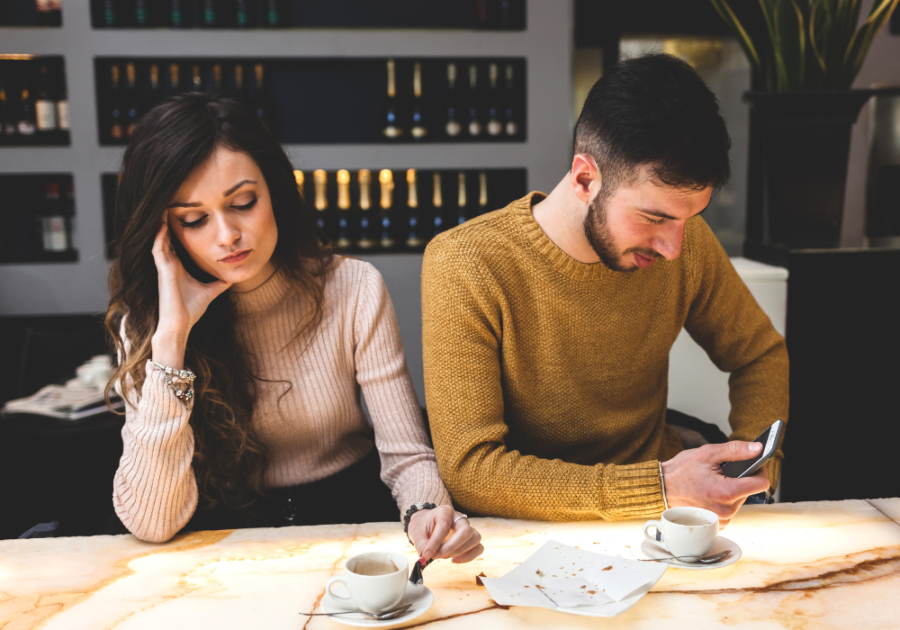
459	517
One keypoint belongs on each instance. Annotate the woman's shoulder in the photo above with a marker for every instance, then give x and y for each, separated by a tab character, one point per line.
351	274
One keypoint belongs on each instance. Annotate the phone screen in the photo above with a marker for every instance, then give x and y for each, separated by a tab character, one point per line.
769	442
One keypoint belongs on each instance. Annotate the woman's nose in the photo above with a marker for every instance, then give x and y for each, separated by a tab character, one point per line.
228	233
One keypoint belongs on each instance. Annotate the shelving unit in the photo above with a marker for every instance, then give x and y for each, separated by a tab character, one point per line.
47	288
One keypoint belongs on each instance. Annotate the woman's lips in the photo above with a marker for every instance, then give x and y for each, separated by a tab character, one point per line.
237	256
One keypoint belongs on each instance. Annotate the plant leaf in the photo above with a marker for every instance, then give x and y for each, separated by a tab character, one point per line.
862	39
728	16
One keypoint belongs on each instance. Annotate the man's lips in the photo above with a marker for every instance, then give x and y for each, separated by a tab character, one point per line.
237	256
642	261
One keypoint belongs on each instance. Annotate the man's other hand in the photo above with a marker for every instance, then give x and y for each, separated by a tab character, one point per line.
693	478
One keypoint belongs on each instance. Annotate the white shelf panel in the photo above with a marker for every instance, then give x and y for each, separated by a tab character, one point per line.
394	156
272	43
32	41
36	160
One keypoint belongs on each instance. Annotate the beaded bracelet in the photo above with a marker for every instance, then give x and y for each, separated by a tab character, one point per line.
184	395
412	510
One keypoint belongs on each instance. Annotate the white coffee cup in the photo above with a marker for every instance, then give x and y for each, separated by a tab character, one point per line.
685	531
376	581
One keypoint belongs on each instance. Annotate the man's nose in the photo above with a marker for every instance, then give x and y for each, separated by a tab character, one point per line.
668	242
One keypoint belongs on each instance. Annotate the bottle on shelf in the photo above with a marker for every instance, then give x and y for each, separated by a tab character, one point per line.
115	123
179	12
367	223
320	182
196	79
110	14
301	183
55	234
7	126
494	126
391	118
154	93
130	107
343	239
26	122
44	105
216	88
511	125
386	179
243	15
415	226
240	88
272	13
260	100
49	12
438	221
419	120
210	14
174	84
142	13
452	110
62	103
474	126
482	193
462	210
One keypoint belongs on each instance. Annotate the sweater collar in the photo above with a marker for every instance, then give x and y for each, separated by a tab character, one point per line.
549	251
263	297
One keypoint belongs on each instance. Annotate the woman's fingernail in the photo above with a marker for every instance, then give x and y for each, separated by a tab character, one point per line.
422	561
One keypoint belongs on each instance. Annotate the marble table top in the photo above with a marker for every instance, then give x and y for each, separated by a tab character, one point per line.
805	565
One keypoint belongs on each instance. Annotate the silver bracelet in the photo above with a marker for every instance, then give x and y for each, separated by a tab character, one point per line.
173	376
662	483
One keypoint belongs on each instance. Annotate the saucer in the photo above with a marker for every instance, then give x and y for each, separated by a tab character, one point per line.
652	550
419	596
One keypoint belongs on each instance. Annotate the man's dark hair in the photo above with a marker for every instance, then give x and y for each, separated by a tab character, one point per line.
654	110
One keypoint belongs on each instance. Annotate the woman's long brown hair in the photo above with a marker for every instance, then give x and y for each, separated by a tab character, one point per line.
169	142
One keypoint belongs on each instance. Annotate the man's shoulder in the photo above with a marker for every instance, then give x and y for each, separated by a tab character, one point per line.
488	237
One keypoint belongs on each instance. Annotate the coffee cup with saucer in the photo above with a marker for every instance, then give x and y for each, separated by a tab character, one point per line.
691	532
375	582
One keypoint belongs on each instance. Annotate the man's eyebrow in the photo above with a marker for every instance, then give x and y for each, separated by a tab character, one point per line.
657	213
197	204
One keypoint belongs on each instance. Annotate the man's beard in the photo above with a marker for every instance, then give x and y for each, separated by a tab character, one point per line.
598	234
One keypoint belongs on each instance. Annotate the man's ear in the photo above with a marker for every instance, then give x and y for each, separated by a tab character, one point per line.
585	177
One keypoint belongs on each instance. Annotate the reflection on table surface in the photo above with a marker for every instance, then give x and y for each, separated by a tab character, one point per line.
805	565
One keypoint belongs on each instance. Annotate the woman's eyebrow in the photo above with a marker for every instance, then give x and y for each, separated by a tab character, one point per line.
197	204
238	185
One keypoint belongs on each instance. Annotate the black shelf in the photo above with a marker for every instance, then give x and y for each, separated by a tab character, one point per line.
322	100
491	15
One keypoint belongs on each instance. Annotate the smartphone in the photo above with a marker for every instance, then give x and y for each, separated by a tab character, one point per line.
769	439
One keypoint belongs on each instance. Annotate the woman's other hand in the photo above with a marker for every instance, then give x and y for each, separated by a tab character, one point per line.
182	300
444	533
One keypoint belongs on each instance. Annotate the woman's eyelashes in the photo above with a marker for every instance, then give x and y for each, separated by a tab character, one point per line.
202	220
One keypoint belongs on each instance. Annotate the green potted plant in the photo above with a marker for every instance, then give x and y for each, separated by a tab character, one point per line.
806	60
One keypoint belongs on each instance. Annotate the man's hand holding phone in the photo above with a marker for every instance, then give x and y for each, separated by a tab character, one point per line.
694	478
182	300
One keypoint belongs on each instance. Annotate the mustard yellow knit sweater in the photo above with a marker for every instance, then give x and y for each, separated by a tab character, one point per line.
546	378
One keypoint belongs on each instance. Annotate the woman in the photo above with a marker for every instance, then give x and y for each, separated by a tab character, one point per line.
220	274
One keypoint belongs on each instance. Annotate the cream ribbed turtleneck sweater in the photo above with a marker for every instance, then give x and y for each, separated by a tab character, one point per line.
316	430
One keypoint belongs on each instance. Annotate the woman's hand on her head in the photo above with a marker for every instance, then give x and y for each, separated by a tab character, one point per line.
435	535
182	300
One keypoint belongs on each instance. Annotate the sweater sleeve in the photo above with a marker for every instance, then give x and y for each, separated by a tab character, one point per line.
408	465
154	489
462	340
725	320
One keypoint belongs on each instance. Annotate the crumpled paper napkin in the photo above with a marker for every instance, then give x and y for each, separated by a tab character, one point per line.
561	577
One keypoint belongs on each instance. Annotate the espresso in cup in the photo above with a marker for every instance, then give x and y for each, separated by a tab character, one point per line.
375	581
685	531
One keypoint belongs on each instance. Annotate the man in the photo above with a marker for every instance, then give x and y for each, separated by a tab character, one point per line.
548	324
